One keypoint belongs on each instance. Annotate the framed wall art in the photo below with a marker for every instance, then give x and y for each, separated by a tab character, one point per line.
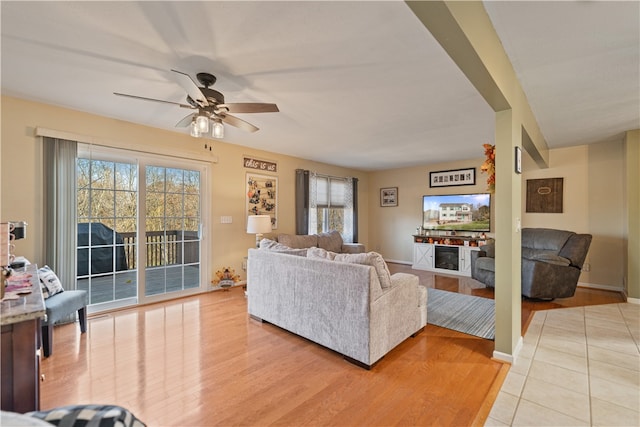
452	177
262	196
389	196
544	195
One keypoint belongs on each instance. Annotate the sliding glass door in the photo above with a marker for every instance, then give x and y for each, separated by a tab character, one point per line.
172	229
107	226
138	243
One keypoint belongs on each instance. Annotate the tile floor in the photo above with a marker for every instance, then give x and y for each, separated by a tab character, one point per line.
578	367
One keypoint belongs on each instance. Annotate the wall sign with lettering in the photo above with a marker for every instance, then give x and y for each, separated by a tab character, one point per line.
262	165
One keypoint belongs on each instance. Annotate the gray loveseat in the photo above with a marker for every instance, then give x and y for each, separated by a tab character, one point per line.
340	305
551	262
331	241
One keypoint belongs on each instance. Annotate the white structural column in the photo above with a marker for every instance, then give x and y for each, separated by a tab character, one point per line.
632	157
465	32
508	242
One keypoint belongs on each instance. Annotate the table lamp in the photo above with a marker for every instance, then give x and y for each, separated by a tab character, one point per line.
258	225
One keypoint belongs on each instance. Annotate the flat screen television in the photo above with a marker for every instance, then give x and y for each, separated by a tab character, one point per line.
457	212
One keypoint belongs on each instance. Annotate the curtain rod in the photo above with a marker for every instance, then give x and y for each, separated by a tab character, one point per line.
91	140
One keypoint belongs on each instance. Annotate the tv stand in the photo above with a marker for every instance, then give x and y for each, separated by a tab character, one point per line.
444	254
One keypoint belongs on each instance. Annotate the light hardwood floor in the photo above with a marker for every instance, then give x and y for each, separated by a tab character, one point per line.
201	361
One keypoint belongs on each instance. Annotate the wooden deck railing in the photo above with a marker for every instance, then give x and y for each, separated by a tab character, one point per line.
163	248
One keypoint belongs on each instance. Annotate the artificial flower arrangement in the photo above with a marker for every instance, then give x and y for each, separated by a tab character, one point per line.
225	278
489	166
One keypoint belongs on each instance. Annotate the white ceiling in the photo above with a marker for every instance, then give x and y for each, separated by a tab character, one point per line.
359	84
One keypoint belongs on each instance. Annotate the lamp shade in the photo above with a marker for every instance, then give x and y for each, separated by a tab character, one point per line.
259	224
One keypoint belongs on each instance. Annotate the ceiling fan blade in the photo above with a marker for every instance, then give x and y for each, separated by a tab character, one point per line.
192	88
154	100
186	121
250	107
239	123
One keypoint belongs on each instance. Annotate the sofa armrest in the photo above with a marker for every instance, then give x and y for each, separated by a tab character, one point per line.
352	248
474	257
397	313
404	279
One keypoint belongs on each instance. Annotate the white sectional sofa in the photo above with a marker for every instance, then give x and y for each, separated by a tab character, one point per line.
340	305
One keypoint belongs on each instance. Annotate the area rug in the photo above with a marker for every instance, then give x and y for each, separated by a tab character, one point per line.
464	313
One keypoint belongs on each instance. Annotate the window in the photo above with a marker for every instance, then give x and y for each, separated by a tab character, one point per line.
331	205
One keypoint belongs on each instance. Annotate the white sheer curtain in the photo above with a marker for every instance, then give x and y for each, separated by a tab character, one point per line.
347	235
60	208
325	191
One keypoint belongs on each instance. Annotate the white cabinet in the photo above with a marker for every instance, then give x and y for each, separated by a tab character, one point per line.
422	256
450	259
464	260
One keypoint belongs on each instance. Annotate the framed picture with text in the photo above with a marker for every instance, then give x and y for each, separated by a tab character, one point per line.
452	177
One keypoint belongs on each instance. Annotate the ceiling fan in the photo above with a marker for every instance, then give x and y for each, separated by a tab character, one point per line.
212	111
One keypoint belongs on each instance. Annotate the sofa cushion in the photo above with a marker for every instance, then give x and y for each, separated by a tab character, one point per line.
331	241
298	241
545	239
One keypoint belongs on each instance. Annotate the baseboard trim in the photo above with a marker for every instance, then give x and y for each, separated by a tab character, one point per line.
509	358
395	261
633	300
601	287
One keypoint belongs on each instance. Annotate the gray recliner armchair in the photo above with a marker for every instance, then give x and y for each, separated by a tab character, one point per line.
551	262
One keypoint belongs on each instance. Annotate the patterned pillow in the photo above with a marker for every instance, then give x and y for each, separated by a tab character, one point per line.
89	415
49	282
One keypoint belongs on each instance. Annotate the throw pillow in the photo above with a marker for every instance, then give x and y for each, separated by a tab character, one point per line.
384	275
320	253
373	259
272	245
49	281
331	241
89	415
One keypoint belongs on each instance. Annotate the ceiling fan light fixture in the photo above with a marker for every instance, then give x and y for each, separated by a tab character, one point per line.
217	130
194	131
202	123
